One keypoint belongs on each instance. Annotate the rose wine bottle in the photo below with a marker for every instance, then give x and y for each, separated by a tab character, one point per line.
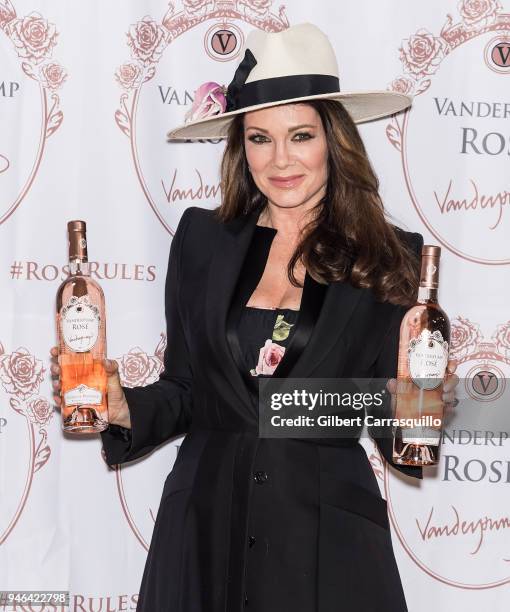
81	330
422	360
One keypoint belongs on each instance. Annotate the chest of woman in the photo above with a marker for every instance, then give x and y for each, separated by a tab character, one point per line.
342	328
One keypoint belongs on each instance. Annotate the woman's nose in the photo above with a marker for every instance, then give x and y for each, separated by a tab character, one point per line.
282	156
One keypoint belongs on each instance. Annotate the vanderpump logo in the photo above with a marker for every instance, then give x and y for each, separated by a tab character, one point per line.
455	141
497	54
458	532
212	35
9	89
477	141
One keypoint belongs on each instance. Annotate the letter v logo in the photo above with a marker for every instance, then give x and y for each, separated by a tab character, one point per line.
502	54
223	42
485	382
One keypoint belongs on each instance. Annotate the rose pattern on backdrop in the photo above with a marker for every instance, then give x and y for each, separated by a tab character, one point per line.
137	368
422	53
255	8
52	75
502	338
129	75
477	14
148	39
7	13
34	39
197	8
39	411
464	338
403	85
33	36
421	56
21	376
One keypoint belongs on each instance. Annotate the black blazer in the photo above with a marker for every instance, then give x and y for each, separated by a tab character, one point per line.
201	532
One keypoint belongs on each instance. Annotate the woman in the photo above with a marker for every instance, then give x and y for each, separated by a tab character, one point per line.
296	274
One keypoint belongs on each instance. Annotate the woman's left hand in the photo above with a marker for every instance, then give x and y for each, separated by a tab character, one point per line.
450	383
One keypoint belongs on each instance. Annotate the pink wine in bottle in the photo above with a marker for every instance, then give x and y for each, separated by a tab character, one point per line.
81	330
422	362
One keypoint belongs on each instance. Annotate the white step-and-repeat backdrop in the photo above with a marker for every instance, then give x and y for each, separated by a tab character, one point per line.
87	93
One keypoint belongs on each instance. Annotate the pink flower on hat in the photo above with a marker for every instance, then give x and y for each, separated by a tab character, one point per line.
209	100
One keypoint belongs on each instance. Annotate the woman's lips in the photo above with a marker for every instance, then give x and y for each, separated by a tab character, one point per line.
287	182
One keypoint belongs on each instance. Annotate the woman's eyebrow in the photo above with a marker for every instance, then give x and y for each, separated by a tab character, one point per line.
292	129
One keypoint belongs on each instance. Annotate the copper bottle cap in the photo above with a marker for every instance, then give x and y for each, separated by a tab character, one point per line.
77	231
429	276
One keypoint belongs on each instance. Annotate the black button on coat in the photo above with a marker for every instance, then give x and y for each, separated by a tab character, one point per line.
330	547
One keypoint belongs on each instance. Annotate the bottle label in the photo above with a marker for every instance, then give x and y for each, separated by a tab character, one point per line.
428	358
421	435
80	323
83	395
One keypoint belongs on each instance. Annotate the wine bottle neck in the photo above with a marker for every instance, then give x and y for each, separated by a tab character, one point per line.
427	294
80	268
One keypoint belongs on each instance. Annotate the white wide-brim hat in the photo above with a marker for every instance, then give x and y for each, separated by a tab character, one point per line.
294	65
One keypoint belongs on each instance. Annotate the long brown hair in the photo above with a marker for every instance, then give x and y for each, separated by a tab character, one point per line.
350	238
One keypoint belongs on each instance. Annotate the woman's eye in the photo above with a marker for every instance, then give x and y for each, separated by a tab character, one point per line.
298	137
257	138
303	136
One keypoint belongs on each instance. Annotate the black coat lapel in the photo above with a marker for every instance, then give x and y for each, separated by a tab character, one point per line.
251	273
325	309
231	246
340	301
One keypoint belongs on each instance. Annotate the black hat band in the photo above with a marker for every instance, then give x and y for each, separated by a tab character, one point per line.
264	91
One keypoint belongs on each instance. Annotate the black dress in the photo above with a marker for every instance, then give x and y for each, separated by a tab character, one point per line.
264	337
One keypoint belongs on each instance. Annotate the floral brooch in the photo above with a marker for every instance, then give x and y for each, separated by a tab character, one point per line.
210	99
214	99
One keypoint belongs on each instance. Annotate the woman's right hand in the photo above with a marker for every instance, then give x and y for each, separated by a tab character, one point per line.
118	411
